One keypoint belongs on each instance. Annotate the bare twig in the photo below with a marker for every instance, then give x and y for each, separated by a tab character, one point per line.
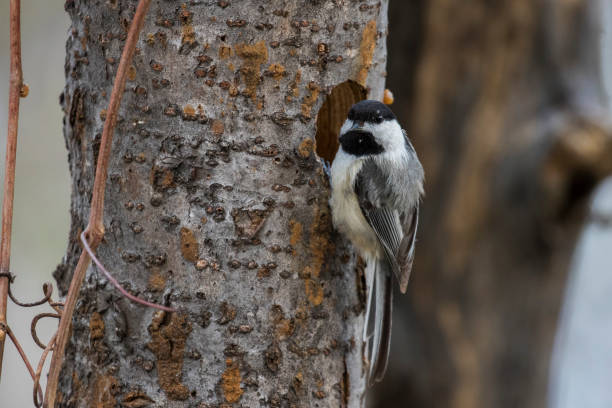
38	401
35	322
95	229
16	83
116	283
37	389
47	290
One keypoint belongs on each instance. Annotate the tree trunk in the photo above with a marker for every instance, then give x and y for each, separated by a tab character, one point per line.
504	104
217	204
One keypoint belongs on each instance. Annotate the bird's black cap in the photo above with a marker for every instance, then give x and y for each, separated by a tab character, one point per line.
370	111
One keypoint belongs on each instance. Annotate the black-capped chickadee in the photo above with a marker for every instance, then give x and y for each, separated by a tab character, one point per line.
376	183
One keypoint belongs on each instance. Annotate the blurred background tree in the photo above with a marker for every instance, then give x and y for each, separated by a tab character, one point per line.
486	79
506	108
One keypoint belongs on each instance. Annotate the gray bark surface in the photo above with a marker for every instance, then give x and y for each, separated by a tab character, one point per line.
215	204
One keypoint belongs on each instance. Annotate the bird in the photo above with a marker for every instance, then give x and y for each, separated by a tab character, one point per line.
376	184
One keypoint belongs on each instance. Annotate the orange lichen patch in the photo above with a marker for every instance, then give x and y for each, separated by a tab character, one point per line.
294	86
103	114
319	246
161	178
310	99
157	282
96	326
225	52
200	113
102	394
283	327
305	148
188	35
167	179
136	399
314	291
388	97
230	382
252	57
168	338
187	31
189	112
366	52
189	245
217	127
298	380
296	232
263	272
131	74
276	71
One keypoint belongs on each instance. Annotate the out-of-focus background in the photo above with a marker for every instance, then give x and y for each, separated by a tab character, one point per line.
581	366
42	188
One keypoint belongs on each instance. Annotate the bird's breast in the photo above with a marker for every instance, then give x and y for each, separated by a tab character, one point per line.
346	213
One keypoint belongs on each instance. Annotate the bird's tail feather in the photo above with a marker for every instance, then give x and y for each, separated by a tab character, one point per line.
377	329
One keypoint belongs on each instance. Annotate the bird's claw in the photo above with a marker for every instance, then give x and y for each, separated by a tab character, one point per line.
326	167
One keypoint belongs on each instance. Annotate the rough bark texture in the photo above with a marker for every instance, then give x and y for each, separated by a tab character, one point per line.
504	103
216	204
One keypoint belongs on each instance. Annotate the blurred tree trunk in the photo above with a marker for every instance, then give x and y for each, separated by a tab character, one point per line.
504	103
216	204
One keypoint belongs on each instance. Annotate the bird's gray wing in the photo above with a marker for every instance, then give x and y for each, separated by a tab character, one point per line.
405	252
395	228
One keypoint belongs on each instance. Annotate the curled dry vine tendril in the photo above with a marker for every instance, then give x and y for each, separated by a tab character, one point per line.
57	306
47	290
91	237
37	389
38	401
33	327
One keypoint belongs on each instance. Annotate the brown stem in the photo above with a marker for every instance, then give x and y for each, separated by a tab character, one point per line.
95	228
35	322
37	389
47	290
39	368
16	82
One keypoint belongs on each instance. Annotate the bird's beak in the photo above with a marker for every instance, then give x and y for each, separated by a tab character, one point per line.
355	129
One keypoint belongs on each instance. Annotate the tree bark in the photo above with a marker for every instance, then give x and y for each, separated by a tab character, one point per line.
505	107
217	204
